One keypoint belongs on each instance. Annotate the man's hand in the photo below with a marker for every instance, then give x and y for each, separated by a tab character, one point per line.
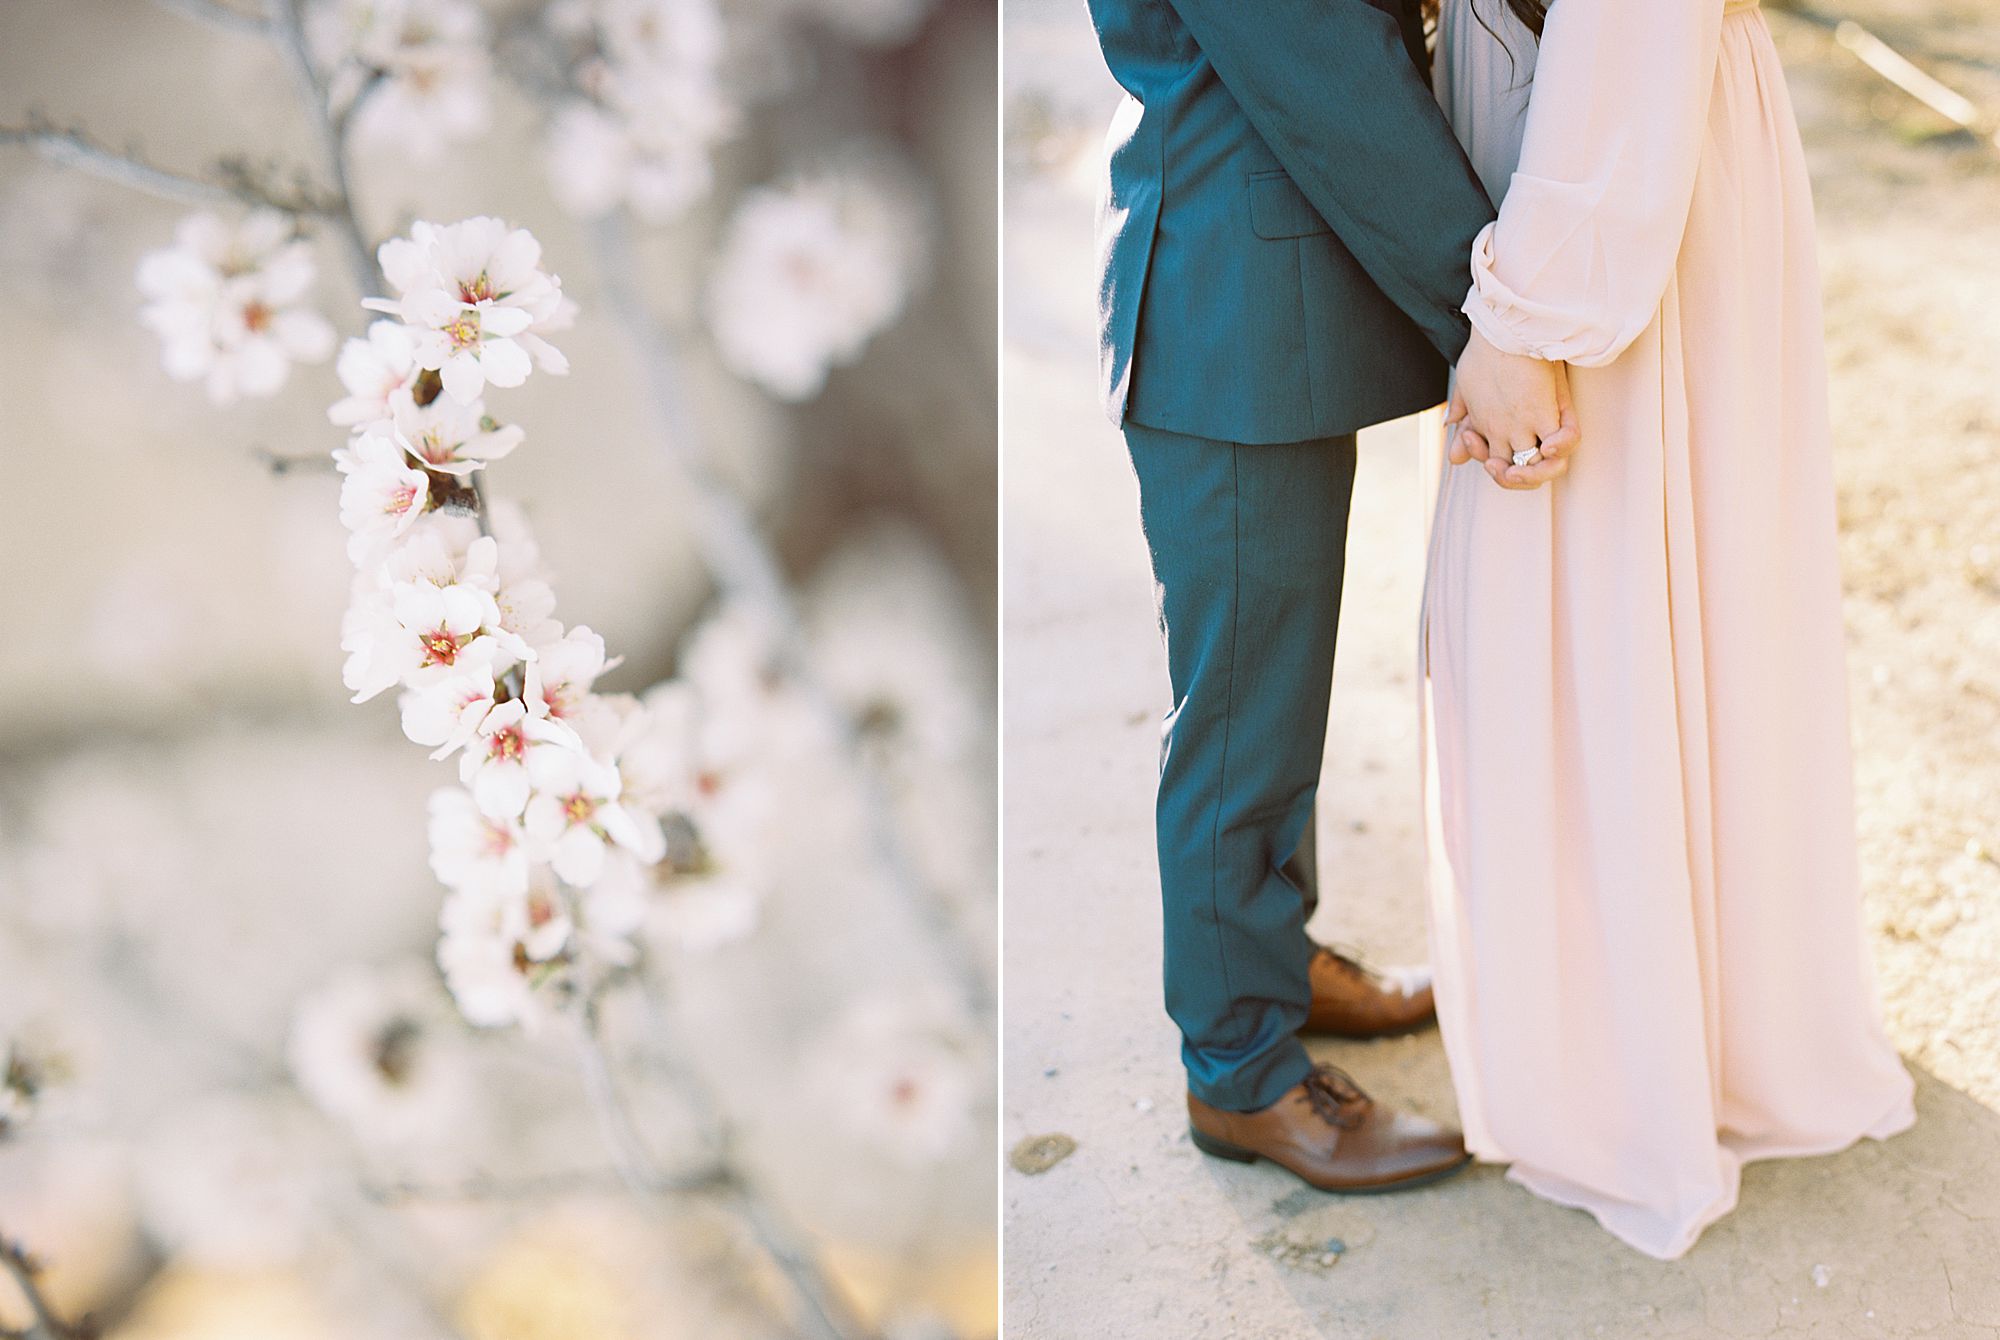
1508	403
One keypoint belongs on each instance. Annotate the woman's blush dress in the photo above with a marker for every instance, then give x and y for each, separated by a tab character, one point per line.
1645	897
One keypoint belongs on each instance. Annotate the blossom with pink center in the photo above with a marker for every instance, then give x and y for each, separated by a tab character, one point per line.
440	552
381	495
442	622
452	438
377	372
499	756
228	303
560	677
473	852
575	813
477	302
448	712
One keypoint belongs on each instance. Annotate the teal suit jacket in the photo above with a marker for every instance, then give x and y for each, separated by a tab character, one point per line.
1286	229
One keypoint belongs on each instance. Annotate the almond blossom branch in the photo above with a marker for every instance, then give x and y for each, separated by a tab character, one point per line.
746	567
287	29
74	147
217	15
703	1177
825	1314
26	1276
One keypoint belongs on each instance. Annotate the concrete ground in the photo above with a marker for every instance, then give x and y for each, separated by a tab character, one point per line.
1135	1234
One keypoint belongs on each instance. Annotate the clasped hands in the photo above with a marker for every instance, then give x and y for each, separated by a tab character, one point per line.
1506	405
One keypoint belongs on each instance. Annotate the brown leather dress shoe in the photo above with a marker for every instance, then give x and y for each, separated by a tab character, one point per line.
1332	1135
1351	1001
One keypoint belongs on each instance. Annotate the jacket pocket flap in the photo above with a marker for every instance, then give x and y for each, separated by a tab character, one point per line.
1279	209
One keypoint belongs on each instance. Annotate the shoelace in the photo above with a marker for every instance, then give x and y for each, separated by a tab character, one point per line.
1336	1097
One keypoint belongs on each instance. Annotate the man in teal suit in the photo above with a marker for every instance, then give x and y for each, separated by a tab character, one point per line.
1285	240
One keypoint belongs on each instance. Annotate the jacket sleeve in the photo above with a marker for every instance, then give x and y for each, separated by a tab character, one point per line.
1332	89
1590	227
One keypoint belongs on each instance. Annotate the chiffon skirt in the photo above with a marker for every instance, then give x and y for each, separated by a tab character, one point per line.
1645	914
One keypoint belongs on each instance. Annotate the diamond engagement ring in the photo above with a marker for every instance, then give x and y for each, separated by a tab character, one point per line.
1528	457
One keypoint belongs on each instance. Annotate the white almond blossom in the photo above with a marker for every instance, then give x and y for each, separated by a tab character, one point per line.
451	438
477	302
424	614
700	913
381	495
901	1073
228	303
486	963
474	853
366	1049
501	751
496	953
378	372
446	714
715	759
419	69
554	870
614	908
655	108
891	634
560	678
814	268
575	814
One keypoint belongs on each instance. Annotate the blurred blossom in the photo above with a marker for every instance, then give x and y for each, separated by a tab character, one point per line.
700	913
377	372
372	1050
892	635
415	73
813	268
495	953
227	302
902	1073
655	106
233	1180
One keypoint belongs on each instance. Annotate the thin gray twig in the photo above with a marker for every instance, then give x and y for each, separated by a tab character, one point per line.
43	1323
73	147
824	1314
217	15
287	30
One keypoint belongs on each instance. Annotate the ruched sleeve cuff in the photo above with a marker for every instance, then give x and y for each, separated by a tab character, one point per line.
1545	282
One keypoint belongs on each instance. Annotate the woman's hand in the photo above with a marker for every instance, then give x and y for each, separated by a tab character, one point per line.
1553	445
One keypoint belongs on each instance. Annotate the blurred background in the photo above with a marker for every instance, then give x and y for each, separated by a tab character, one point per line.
1891	1241
237	1099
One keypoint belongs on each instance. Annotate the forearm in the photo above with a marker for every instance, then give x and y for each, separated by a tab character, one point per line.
1586	241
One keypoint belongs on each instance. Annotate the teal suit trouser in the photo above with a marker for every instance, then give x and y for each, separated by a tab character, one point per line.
1248	545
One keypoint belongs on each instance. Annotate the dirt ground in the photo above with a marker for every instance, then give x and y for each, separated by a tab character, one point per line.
1135	1234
